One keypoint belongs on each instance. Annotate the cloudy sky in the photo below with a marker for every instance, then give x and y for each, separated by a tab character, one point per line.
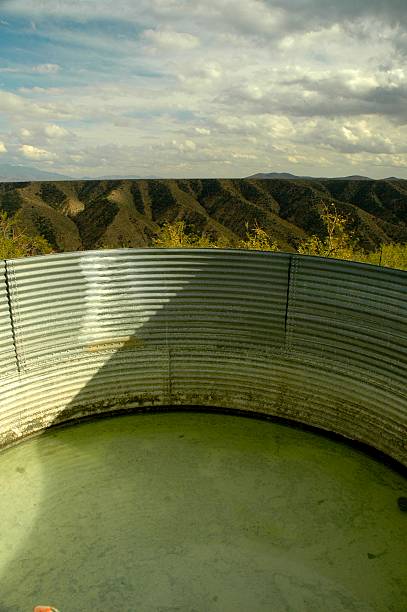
204	88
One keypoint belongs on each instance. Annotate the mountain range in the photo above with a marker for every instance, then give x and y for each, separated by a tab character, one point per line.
74	215
15	174
10	173
293	177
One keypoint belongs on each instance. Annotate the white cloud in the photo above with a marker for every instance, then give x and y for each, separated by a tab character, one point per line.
244	156
3	148
55	131
46	68
349	135
186	146
269	82
10	70
168	39
24	69
10	102
31	152
253	17
361	82
24	107
41	90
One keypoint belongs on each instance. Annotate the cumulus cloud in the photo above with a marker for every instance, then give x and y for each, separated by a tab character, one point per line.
55	131
184	147
331	93
31	152
10	101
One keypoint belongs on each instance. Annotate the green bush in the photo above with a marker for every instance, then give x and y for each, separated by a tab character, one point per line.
338	242
14	242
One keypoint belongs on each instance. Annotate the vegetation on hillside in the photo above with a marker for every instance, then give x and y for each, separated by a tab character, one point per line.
338	243
176	235
14	242
75	215
389	255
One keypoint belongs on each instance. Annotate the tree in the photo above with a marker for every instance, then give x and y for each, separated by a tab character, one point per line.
338	242
257	239
14	242
176	235
172	235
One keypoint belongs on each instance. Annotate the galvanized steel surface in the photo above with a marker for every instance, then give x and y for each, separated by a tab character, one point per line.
8	363
318	341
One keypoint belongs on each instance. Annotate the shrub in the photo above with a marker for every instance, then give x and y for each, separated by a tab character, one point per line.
176	235
257	239
338	243
389	255
14	242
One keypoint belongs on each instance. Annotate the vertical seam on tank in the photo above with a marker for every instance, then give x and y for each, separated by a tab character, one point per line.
8	280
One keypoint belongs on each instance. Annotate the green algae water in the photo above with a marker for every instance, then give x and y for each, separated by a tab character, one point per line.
198	512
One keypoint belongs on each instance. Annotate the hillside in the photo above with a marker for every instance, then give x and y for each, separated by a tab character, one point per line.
74	215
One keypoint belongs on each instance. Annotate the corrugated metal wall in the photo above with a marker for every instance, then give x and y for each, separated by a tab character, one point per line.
319	341
8	362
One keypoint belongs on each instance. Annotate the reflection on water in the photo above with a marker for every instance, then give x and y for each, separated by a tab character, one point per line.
198	512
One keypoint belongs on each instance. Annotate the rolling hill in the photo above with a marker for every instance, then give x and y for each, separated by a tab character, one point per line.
74	215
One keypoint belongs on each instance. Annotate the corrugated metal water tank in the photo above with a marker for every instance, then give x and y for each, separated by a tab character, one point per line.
318	341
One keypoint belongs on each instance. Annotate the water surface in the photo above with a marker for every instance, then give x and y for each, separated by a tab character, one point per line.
198	512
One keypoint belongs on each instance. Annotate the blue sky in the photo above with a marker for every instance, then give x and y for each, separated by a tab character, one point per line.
193	88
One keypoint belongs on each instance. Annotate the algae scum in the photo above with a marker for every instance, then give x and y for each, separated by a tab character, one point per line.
198	512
